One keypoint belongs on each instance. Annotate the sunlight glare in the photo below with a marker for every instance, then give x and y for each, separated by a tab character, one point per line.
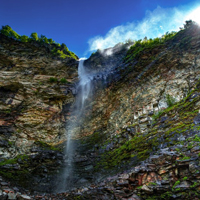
194	15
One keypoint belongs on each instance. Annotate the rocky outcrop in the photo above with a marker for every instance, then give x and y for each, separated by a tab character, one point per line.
36	91
172	70
137	115
32	98
107	60
143	120
164	175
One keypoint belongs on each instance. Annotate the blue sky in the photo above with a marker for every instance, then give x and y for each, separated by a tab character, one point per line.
86	25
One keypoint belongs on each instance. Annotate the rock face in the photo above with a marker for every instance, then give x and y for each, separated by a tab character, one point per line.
108	59
135	116
31	103
139	137
34	101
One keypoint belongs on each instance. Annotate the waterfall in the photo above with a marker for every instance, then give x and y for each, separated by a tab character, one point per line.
84	89
84	86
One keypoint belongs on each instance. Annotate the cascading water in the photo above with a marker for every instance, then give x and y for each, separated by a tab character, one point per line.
84	91
84	86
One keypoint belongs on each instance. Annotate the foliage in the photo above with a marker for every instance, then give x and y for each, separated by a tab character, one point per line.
24	38
176	183
46	146
63	80
194	184
56	49
7	30
197	138
142	45
157	114
188	24
34	36
50	41
185	178
135	149
13	160
170	100
63	52
53	80
43	39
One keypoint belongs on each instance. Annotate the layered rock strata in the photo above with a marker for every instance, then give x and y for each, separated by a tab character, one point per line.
144	113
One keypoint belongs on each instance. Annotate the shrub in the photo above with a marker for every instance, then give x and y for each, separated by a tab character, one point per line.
24	38
7	30
170	100
63	80
34	36
53	80
56	49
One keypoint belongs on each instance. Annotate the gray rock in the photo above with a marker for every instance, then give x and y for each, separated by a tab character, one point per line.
197	119
12	195
24	197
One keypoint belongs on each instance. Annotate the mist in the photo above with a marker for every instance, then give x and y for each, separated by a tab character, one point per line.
155	24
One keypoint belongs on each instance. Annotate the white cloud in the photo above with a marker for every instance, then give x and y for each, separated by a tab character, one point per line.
155	24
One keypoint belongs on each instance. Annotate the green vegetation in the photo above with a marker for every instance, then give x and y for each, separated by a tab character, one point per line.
135	149
53	80
140	47
7	30
185	178
56	49
157	114
197	138
14	160
46	146
195	184
170	100
34	36
176	183
151	184
146	44
185	158
24	38
63	80
12	173
62	51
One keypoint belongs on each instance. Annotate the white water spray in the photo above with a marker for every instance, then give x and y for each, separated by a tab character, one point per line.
84	86
83	93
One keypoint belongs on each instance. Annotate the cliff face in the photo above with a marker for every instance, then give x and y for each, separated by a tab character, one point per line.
153	105
33	96
31	102
145	82
144	113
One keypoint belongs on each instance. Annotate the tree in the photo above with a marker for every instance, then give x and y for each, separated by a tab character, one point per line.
188	24
145	39
7	30
63	46
50	41
43	39
34	36
24	38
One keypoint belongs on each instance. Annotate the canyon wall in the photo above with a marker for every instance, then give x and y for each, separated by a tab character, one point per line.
144	106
